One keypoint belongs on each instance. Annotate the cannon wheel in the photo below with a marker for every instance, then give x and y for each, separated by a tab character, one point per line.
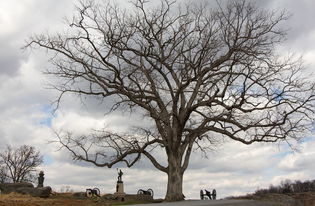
214	194
88	193
140	192
151	192
98	192
201	195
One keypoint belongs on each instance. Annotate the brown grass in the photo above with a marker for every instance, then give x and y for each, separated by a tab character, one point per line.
19	200
290	199
57	199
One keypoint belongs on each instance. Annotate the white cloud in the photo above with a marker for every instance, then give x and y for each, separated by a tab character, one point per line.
276	180
302	160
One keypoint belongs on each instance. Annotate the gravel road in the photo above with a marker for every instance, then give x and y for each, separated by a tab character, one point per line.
212	203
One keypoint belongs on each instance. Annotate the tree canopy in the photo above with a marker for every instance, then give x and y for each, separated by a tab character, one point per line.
196	73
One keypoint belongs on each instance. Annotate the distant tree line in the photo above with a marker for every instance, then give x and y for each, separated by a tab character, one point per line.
287	186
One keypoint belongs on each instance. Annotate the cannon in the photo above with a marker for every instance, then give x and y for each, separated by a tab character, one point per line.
214	194
145	192
93	192
208	195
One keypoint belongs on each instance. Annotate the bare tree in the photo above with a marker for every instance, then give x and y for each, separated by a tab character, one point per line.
19	163
195	73
3	174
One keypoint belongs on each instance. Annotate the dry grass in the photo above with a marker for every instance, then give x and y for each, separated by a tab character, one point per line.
15	196
56	199
290	199
19	200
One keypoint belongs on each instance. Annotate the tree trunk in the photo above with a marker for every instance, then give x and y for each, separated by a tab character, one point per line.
175	181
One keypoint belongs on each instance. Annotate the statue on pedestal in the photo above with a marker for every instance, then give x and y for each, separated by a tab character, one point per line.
120	174
120	184
41	179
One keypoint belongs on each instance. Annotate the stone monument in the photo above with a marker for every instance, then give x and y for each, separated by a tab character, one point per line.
41	179
120	184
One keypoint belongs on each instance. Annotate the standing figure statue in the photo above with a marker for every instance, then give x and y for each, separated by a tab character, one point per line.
41	179
120	174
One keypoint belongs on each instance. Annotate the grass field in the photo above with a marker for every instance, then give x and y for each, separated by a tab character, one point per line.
60	199
290	199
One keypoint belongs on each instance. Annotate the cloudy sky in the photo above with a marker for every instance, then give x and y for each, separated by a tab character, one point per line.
26	114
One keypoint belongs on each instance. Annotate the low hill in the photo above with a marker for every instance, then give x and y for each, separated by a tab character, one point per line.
290	199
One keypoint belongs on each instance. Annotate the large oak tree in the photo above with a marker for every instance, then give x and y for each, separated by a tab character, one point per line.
193	71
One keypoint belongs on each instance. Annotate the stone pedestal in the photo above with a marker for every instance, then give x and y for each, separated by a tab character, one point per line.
120	188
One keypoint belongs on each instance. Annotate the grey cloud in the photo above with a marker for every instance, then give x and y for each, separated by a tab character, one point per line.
300	161
21	22
235	157
9	63
300	24
10	57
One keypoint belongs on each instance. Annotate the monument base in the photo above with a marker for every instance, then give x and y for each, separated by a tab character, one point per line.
120	188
